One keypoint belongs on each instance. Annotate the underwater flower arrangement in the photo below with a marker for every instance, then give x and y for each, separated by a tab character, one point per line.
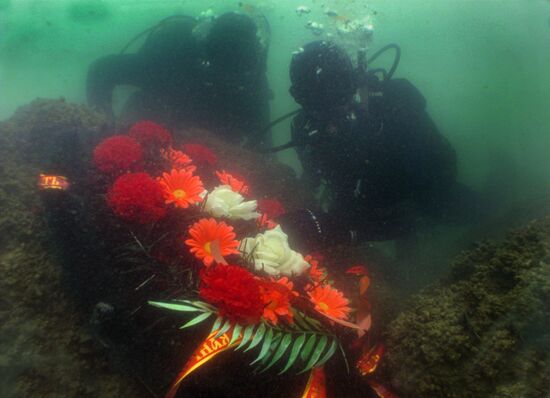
256	290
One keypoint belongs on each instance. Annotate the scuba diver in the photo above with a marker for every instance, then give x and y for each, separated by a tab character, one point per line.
209	75
371	143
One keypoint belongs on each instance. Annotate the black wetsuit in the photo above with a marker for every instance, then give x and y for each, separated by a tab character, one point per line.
193	83
386	166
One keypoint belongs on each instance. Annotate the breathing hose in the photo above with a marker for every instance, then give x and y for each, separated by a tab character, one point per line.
152	29
387	75
395	64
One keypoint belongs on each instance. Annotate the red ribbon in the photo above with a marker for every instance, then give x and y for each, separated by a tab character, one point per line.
207	350
316	384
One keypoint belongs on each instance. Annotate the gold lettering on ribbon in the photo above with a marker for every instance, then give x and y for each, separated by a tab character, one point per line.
208	349
211	345
52	182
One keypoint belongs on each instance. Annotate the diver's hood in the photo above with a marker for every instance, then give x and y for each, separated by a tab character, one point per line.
236	42
322	76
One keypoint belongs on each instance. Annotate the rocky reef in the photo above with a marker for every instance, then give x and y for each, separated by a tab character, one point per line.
482	332
46	347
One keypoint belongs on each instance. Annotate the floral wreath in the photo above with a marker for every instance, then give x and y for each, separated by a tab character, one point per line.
259	293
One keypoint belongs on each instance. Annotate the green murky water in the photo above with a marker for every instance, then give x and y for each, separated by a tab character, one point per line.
483	68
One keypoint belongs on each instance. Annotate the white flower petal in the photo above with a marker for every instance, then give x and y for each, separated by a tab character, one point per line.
273	255
224	202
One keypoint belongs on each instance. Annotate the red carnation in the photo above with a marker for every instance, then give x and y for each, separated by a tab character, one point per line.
149	133
117	154
137	197
200	154
235	292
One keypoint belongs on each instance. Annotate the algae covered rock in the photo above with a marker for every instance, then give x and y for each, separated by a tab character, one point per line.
485	331
45	342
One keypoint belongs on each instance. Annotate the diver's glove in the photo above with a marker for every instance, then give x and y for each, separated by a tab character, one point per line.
309	231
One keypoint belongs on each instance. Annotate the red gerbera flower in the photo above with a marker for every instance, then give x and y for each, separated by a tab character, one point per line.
207	231
181	188
237	184
200	154
117	154
234	291
276	301
149	133
137	197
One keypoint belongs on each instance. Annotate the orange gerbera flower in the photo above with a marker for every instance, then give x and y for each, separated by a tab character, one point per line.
204	233
276	299
181	188
330	301
286	282
316	272
236	184
178	159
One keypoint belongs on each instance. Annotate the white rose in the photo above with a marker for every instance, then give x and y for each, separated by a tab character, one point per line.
224	202
271	253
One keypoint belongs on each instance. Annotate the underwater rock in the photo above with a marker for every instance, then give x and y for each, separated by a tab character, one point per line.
51	134
49	115
44	340
483	332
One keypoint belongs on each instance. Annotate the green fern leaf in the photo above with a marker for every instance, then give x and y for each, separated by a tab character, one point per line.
217	324
308	347
314	323
316	354
197	319
257	337
236	332
200	304
281	349
247	334
226	326
296	347
300	321
274	344
329	353
176	307
307	323
265	346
